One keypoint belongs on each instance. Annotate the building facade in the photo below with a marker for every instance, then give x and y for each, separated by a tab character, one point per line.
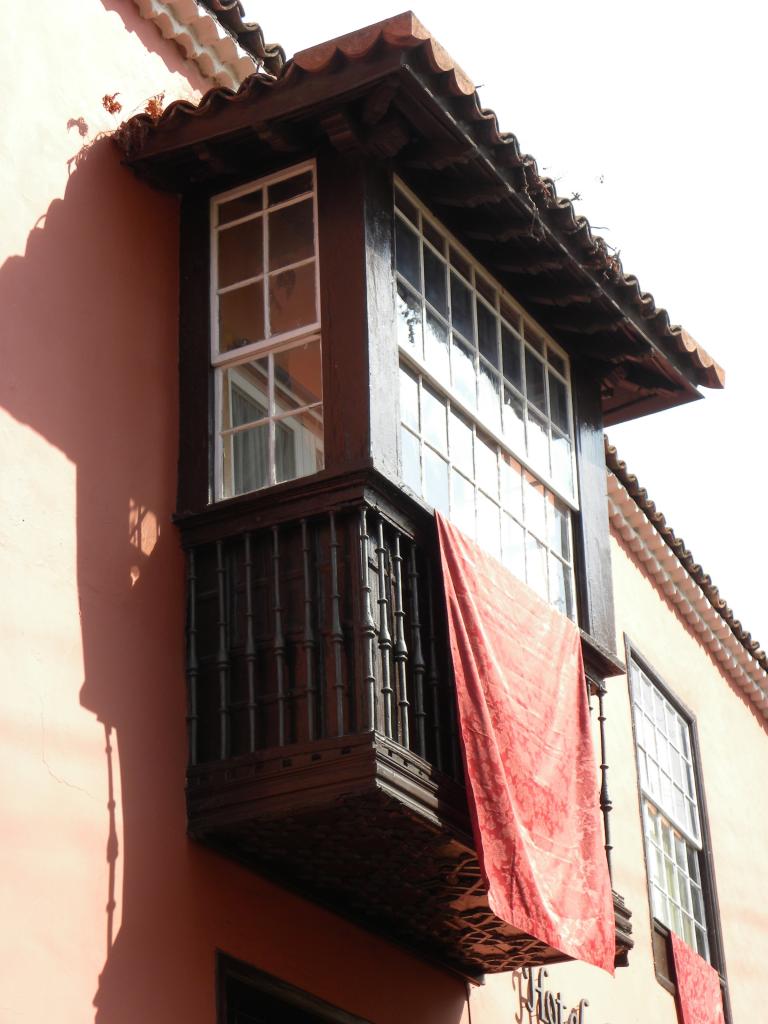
278	313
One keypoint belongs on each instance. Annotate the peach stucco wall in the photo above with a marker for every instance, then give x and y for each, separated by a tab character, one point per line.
107	911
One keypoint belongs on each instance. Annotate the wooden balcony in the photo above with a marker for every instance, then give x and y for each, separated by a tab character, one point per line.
322	728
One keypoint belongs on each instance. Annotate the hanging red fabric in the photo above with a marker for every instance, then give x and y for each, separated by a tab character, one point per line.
528	755
699	996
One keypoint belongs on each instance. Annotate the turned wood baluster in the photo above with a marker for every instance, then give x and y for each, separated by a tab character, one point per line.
192	663
337	636
250	645
368	626
417	655
400	648
309	642
222	654
385	638
433	681
279	639
606	804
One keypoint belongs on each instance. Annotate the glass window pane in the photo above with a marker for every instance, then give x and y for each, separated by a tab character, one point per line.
488	525
536	565
299	445
461	308
511	486
298	376
489	397
487	467
534	381
241	317
242	206
559	586
434	426
411	460
513	546
511	356
240	254
533	337
409	399
292	299
436	349
291	234
459	262
436	480
432	234
463	503
463	372
559	530
402	202
461	445
407	253
290	187
514	421
538	442
558	403
487	333
246	460
245	394
555	359
535	505
435	285
409	320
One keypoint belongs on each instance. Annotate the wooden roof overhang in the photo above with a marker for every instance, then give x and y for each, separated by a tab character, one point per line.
390	92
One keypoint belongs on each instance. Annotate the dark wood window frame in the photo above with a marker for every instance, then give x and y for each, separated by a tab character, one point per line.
660	935
237	981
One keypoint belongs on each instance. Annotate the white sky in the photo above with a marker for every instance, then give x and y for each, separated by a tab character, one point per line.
655	113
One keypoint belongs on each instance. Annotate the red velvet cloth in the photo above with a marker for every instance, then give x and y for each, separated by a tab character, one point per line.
528	754
699	996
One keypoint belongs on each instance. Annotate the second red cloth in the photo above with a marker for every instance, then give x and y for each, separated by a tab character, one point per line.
528	753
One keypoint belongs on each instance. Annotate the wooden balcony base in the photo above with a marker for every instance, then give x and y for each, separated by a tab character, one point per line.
370	829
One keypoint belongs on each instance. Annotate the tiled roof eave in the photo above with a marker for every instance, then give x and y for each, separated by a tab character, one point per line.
202	39
682	582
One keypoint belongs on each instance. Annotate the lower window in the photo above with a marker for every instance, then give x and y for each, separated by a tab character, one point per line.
249	996
680	880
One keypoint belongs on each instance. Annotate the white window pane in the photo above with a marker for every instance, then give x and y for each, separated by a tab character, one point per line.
436	349
299	445
463	503
292	299
409	399
535	506
562	463
490	397
407	253
435	480
249	454
411	460
514	421
487	467
409	333
536	565
463	372
240	252
462	443
538	442
291	234
511	486
241	317
513	546
434	423
298	376
488	525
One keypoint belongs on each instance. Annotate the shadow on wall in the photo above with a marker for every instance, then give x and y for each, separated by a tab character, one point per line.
92	367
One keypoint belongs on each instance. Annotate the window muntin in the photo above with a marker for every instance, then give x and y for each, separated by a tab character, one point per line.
671	817
470	337
463	472
265	340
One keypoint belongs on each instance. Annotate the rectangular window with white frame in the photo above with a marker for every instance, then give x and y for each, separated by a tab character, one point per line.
680	874
486	431
266	347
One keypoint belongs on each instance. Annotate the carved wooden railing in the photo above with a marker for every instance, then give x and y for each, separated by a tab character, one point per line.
322	627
